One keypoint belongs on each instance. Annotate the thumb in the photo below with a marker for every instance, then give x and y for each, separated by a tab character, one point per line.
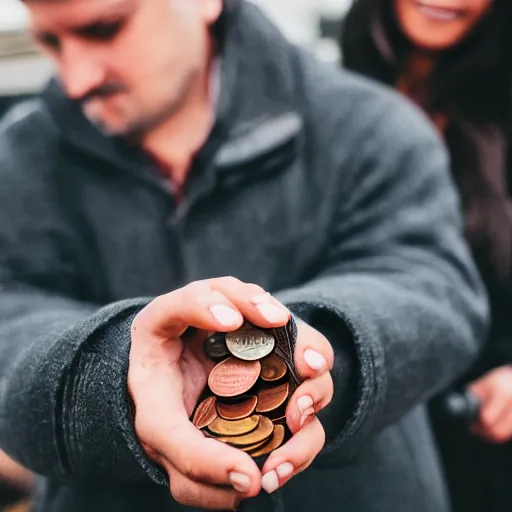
207	460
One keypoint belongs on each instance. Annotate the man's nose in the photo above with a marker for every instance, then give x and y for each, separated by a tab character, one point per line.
81	70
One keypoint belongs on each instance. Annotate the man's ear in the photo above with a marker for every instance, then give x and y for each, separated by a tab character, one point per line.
210	10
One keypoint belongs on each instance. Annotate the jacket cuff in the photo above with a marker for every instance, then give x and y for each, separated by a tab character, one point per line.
98	423
345	373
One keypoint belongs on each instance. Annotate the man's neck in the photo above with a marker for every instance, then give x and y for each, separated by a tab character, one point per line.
174	143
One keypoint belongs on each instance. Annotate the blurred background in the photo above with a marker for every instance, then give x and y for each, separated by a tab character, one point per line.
310	23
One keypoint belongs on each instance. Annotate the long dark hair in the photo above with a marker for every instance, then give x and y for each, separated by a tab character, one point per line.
471	85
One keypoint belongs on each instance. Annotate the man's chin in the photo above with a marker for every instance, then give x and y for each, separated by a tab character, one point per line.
117	127
109	128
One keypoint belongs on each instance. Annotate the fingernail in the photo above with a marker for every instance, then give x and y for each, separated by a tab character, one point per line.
284	470
314	360
272	313
309	412
226	315
303	403
270	482
239	481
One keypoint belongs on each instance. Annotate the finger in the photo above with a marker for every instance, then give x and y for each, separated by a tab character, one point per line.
293	457
501	431
204	496
196	305
201	459
481	390
174	439
308	399
491	412
255	304
314	355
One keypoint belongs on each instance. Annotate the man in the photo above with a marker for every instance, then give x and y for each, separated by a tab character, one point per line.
184	143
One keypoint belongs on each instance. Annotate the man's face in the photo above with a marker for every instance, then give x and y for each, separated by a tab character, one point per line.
130	63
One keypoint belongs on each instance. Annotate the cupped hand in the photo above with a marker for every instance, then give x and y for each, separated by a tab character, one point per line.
167	375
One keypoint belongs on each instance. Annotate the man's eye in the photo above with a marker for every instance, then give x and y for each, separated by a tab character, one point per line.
49	41
102	31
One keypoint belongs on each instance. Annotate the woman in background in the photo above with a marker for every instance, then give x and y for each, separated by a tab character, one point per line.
453	58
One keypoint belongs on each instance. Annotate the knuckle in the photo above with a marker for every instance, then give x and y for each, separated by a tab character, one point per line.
325	392
188	470
181	495
157	303
230	280
329	388
255	289
321	437
194	289
145	430
500	381
181	489
317	439
142	318
330	355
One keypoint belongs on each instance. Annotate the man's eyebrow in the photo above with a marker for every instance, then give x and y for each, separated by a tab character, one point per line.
91	26
114	13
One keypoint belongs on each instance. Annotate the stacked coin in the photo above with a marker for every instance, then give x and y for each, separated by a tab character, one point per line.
245	402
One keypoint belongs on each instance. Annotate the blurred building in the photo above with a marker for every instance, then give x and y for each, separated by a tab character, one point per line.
311	23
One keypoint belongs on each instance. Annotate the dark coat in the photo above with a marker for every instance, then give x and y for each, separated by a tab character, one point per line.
324	189
478	474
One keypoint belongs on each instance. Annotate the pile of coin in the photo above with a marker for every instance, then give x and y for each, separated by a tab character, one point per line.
245	401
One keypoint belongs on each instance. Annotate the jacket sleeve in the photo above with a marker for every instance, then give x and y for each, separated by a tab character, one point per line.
398	295
64	410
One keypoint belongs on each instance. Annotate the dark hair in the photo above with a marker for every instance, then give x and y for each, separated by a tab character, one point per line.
471	85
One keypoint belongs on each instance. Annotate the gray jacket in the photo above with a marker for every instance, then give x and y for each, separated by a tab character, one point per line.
325	189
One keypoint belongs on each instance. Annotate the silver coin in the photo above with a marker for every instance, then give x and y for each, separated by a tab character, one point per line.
215	346
249	343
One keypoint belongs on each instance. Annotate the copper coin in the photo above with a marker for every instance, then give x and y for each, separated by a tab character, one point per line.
238	399
262	432
273	368
278	413
275	442
222	427
250	343
205	413
215	346
233	377
252	447
281	419
272	398
237	411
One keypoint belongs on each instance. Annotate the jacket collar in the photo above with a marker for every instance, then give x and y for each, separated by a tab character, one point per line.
255	108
